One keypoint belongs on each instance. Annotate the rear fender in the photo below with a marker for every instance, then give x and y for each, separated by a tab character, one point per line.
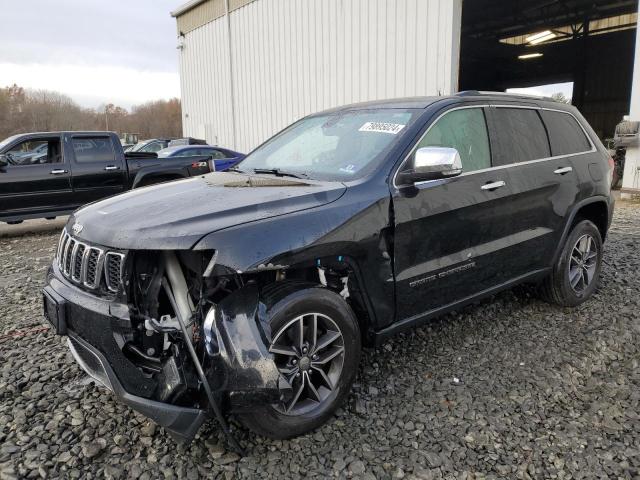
572	215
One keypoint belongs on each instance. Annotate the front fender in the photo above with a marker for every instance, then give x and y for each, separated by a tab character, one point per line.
334	229
356	231
239	364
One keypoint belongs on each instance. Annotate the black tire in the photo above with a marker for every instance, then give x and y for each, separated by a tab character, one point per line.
271	420
557	287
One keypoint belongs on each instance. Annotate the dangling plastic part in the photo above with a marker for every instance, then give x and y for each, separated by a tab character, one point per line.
205	383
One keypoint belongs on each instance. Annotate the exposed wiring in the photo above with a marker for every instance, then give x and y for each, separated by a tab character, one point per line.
205	383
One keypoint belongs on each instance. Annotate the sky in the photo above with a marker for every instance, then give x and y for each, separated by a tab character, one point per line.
546	90
95	51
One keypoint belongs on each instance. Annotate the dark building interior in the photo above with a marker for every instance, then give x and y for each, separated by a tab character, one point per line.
588	42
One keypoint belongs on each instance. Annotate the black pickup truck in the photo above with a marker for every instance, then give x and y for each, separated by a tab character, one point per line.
53	173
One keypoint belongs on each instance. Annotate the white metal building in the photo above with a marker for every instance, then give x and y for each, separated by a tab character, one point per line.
249	68
248	74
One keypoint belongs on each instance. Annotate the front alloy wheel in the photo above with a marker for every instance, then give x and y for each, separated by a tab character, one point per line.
316	348
309	353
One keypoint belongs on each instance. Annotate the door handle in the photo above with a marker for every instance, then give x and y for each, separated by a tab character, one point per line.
58	172
493	185
111	167
562	170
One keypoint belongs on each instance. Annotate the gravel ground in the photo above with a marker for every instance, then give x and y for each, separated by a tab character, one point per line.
509	388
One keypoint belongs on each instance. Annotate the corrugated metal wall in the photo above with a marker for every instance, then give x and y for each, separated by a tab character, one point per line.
290	58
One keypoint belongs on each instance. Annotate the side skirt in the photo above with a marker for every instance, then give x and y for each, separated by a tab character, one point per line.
416	320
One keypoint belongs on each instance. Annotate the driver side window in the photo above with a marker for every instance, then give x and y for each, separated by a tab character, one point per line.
466	131
35	152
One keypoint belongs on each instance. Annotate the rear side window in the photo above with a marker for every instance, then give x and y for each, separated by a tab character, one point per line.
93	149
466	131
565	134
188	152
216	154
520	134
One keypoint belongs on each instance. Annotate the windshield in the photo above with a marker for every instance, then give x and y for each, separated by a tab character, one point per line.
339	146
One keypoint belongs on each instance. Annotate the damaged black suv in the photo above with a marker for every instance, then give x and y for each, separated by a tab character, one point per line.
251	291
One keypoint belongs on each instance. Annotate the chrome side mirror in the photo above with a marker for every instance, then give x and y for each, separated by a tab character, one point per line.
432	163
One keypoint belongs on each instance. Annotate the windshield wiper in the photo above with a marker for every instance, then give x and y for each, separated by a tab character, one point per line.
279	173
234	169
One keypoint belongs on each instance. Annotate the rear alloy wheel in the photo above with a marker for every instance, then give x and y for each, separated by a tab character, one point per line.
575	276
583	263
316	348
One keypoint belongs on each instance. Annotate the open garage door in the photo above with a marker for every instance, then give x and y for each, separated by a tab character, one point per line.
526	43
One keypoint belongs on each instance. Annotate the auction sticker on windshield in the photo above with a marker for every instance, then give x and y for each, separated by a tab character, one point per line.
381	127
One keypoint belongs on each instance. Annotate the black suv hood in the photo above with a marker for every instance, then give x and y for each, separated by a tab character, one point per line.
176	215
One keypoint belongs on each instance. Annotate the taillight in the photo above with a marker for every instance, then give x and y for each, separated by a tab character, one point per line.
201	164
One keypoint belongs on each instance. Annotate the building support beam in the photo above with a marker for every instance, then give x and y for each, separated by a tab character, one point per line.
227	11
631	176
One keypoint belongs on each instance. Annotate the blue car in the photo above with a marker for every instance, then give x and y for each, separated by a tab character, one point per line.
223	158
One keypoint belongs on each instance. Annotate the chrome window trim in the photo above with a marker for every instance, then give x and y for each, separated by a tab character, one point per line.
497	167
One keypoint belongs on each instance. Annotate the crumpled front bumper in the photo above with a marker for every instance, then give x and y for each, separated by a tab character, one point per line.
89	323
183	423
238	364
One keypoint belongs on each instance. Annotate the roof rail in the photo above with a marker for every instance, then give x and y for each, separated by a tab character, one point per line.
475	93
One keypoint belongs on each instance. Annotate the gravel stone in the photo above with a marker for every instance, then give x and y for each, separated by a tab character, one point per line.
148	430
544	392
356	467
93	448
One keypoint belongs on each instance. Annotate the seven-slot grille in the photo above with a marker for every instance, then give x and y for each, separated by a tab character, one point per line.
86	265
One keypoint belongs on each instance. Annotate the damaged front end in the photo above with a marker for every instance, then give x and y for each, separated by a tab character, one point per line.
182	339
224	322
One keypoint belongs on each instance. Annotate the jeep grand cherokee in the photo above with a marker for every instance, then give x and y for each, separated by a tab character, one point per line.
251	291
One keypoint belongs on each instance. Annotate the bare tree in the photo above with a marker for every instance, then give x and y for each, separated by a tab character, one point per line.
43	110
560	97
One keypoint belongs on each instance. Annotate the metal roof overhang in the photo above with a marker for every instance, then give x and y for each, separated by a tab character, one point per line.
498	18
185	7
